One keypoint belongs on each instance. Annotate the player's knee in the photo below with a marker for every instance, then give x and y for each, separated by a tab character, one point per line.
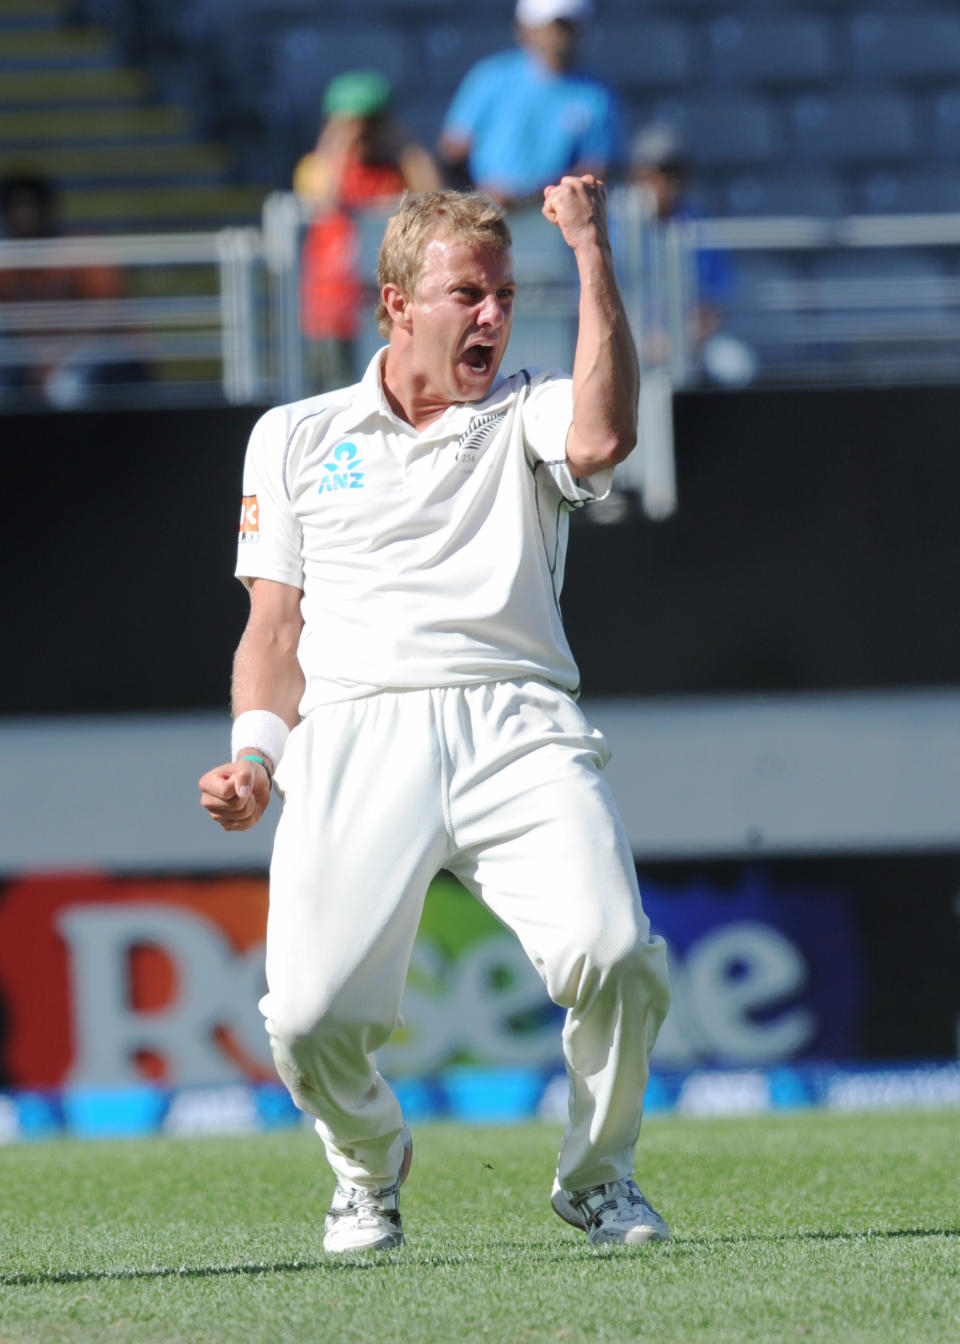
595	951
310	1052
309	1035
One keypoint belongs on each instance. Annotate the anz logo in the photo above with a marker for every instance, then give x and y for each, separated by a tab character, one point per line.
343	473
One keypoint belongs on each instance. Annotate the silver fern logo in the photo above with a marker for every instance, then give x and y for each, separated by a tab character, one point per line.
477	436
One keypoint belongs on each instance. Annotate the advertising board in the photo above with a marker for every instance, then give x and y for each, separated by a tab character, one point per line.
106	979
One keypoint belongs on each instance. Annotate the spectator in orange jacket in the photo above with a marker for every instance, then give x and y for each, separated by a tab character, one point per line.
362	160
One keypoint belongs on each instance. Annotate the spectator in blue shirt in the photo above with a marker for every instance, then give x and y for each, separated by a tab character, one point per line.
522	119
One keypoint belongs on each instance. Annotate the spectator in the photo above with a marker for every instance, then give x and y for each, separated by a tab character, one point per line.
659	166
679	341
522	119
362	160
63	367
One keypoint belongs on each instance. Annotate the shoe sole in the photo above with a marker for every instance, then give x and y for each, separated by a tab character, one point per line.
567	1211
388	1242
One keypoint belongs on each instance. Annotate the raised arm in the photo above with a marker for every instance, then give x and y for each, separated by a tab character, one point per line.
266	679
606	372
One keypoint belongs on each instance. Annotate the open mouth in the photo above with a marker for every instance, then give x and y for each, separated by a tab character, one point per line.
479	358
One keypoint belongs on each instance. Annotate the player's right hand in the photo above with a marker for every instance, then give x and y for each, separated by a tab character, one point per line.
578	207
236	794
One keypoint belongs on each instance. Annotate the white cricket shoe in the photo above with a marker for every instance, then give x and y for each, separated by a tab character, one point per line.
367	1220
616	1211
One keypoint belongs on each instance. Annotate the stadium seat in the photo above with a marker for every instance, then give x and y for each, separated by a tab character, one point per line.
777	51
303	59
236	69
910	192
918	46
422	116
943	121
725	130
444	52
851	127
641	53
217	18
787	192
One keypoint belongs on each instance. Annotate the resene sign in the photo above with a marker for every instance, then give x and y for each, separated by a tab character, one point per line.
108	980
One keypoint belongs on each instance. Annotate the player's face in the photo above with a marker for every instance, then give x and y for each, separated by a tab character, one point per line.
461	318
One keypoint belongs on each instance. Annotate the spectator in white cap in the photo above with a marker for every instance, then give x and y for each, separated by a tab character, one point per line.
523	118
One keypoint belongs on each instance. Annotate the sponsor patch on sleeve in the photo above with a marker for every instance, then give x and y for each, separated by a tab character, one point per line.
249	519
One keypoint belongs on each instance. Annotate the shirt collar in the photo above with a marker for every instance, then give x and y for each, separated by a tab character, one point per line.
371	400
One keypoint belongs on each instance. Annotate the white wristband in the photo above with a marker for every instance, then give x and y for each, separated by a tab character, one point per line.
261	729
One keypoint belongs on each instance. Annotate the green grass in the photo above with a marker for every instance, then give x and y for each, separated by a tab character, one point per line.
789	1227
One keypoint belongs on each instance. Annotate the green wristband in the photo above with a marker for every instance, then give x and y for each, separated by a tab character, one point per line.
249	756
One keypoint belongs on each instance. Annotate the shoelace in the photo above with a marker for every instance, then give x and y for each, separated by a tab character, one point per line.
365	1205
610	1196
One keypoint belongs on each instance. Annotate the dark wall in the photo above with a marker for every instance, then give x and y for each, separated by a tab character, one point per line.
122	539
815	547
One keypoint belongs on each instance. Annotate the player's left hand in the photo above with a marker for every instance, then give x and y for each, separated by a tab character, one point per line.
578	207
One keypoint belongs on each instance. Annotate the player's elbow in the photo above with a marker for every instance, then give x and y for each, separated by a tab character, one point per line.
602	452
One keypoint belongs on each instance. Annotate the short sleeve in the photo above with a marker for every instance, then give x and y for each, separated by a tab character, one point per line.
269	543
547	417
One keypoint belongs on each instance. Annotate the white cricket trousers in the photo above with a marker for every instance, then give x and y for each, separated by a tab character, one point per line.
499	783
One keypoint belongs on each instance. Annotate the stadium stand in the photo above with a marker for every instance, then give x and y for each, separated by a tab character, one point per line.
852	127
788	192
855	95
637	55
773	52
74	111
909	192
920	47
727	130
188	115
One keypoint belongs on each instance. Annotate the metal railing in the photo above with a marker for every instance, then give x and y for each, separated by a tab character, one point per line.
865	298
213	317
180	322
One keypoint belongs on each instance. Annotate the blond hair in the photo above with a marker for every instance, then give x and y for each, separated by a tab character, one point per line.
470	217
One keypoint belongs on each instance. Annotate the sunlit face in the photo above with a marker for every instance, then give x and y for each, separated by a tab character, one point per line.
460	318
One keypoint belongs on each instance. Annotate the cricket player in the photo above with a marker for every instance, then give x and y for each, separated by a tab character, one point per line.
405	685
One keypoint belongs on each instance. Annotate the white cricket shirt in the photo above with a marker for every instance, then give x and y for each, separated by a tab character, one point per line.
425	559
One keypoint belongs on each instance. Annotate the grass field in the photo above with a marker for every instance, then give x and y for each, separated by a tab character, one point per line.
802	1226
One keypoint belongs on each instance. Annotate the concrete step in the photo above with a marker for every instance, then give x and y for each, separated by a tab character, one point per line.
30	14
136	209
31	47
95	125
72	112
89	165
86	86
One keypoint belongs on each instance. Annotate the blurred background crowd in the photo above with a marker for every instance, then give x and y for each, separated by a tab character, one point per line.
774	171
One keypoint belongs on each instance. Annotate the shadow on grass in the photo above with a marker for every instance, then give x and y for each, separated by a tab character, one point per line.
436	1260
178	1272
864	1234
